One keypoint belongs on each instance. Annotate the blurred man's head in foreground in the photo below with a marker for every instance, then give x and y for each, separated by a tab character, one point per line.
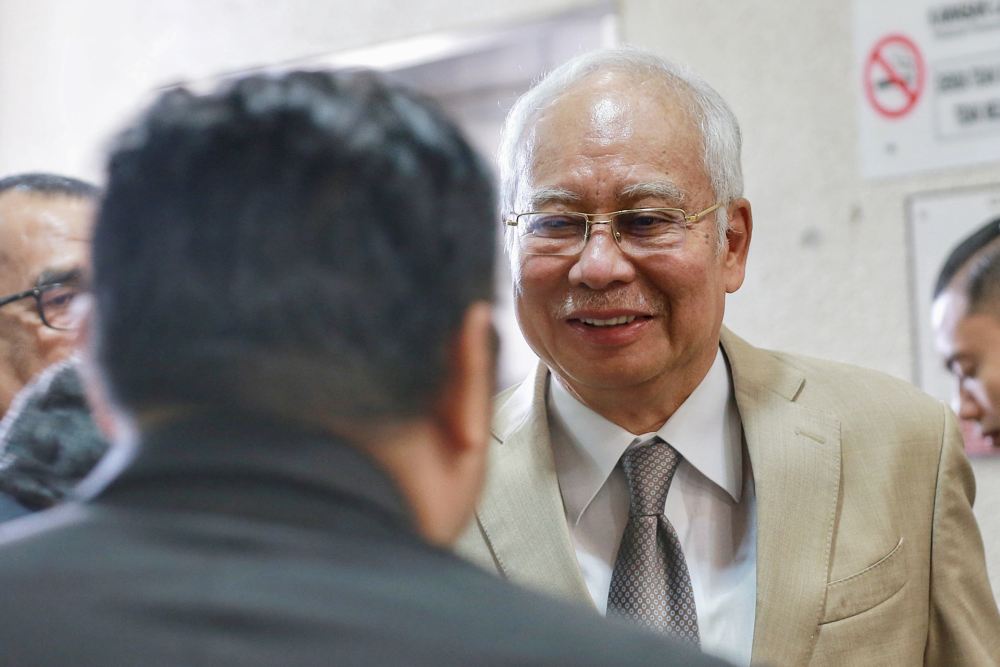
313	248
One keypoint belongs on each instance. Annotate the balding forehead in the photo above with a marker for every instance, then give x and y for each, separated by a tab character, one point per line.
43	224
632	88
30	202
15	200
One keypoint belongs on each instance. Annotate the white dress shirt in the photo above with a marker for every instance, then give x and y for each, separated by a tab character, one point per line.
711	502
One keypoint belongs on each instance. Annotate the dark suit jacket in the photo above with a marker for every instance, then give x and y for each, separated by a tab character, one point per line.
227	543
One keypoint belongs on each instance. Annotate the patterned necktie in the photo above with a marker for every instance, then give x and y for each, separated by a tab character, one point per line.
650	583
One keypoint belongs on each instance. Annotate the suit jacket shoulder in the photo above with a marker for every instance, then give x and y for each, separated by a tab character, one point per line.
839	388
111	585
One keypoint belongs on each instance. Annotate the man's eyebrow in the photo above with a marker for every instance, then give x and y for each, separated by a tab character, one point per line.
51	276
543	196
654	189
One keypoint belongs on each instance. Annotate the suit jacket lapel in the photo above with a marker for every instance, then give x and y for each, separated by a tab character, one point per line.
795	457
521	511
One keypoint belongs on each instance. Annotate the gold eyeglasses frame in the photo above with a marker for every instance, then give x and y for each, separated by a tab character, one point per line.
689	219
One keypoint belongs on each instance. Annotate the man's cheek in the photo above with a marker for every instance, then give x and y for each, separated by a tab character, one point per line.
536	273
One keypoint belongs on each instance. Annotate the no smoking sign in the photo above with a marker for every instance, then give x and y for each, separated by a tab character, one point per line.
894	76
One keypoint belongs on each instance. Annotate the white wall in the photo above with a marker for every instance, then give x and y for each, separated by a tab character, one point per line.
70	71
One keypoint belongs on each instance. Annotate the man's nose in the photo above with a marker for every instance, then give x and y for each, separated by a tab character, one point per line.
601	262
965	405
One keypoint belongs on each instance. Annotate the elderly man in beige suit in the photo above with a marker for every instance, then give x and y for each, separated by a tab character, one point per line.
765	506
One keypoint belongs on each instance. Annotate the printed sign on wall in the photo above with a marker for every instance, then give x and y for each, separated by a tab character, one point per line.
928	80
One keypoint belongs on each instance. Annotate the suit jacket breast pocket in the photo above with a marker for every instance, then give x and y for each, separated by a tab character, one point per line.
868	588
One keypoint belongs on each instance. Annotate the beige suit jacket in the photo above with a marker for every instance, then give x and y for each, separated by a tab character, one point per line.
867	549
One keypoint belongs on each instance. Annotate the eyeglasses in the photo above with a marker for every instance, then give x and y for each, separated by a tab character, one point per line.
53	301
638	231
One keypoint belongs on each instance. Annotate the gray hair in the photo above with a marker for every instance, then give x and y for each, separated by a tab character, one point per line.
720	131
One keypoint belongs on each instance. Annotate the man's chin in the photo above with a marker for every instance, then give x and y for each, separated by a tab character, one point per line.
603	375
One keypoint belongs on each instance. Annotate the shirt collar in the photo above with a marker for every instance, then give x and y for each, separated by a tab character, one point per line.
254	449
705	429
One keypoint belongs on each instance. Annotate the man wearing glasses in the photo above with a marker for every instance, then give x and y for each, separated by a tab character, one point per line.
767	507
44	226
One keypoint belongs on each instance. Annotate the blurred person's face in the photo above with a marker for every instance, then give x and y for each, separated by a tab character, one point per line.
43	239
603	320
970	347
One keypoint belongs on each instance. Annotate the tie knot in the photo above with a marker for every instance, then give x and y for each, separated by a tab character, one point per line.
649	469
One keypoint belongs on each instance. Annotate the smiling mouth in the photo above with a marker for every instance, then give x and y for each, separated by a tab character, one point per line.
610	322
607	322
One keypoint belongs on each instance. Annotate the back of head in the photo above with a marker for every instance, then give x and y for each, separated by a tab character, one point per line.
720	130
303	246
973	269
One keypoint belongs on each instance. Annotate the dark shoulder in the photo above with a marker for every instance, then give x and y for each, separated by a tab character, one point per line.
108	586
507	624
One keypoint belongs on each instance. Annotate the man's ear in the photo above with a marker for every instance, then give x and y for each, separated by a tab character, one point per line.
463	410
737	243
109	421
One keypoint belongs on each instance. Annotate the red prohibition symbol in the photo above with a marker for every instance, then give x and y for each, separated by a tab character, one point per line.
894	76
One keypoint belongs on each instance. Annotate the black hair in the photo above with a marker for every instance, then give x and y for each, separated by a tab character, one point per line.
983	286
960	256
50	184
306	245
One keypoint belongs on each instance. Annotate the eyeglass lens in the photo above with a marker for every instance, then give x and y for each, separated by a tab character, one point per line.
55	302
565	233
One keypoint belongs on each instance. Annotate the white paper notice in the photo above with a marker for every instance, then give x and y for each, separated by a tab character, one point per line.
928	79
